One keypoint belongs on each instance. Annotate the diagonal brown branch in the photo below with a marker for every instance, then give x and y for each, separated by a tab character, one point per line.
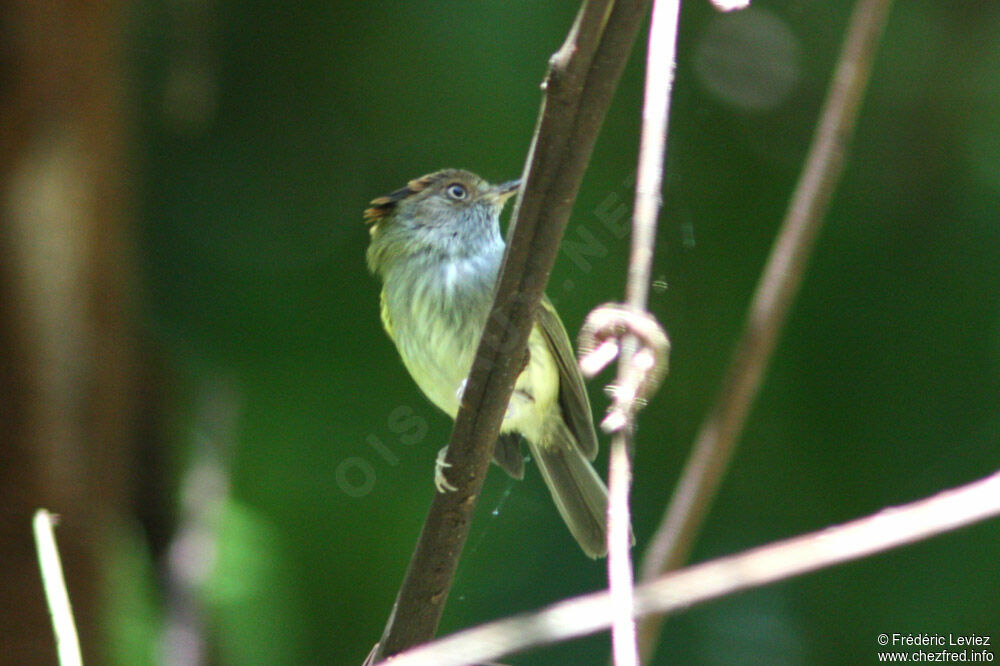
582	77
676	591
778	285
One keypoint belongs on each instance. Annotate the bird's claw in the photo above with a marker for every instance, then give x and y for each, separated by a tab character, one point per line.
440	481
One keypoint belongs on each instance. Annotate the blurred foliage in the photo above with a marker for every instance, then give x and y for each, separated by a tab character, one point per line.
264	128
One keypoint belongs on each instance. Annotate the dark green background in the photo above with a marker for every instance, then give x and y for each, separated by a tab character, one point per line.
266	127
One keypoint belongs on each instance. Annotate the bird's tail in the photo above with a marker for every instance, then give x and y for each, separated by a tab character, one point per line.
579	493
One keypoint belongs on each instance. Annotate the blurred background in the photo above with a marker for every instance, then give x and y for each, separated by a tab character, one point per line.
194	374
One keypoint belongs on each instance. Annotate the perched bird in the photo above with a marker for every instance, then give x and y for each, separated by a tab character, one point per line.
436	246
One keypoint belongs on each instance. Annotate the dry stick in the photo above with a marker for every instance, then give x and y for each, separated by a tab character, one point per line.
782	276
660	58
67	642
579	85
587	614
624	649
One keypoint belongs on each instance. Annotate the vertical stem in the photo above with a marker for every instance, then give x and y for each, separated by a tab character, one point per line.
621	579
649	178
655	113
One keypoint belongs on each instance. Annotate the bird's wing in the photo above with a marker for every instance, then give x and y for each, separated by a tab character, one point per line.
572	393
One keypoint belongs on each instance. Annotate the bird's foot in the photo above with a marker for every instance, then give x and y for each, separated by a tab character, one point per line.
440	481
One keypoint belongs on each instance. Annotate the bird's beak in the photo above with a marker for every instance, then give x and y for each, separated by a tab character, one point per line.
504	191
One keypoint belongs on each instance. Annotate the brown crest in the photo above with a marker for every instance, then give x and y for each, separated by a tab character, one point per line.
383	206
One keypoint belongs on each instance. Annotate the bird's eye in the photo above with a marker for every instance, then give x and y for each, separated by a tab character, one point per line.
457	191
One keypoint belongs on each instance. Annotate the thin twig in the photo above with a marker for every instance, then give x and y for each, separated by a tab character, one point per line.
653	144
890	528
779	283
582	77
660	58
621	579
67	642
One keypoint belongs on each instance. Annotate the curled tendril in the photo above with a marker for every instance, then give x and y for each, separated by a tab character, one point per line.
601	339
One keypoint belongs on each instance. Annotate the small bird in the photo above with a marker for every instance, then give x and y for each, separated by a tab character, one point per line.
436	246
